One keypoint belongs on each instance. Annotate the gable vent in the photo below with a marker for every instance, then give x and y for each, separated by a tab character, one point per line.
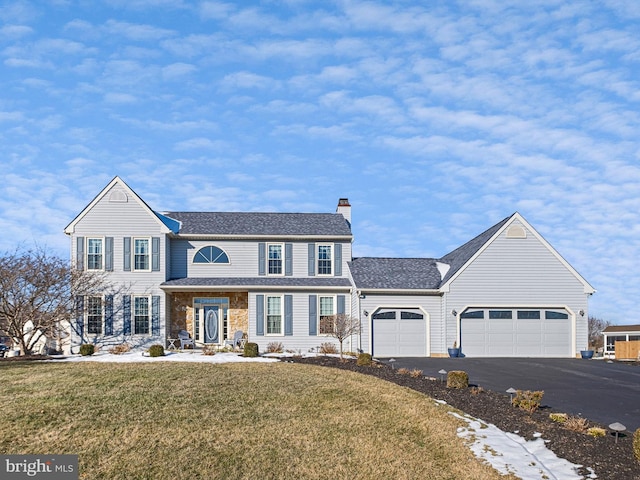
516	231
118	196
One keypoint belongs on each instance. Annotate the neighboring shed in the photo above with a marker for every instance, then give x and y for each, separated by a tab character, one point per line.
615	334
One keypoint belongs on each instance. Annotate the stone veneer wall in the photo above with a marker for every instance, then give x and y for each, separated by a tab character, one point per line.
182	311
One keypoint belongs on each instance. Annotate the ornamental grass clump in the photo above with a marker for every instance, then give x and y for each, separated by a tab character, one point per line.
558	417
527	400
577	424
457	379
596	432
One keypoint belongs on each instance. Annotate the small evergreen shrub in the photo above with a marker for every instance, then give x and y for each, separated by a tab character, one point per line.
636	444
328	348
250	349
87	349
275	347
457	379
364	360
558	417
156	351
596	432
528	400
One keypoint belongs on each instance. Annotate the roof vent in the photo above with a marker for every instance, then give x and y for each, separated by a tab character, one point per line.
118	196
516	231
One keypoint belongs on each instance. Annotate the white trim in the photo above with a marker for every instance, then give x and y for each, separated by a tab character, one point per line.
318	260
102	314
133	315
335	308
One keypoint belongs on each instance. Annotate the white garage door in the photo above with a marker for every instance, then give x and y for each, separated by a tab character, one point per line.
515	333
399	333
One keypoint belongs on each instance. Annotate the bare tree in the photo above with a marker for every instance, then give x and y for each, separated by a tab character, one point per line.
340	327
37	292
596	326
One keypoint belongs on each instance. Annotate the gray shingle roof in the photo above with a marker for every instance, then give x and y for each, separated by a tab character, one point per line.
253	223
463	254
395	273
312	282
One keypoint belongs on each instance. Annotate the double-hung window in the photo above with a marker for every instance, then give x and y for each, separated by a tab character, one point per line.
141	316
95	254
94	315
325	259
274	316
326	307
275	259
141	254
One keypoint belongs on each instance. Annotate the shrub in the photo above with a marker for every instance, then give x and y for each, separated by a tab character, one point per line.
596	432
364	360
119	349
87	349
577	424
403	371
636	444
250	349
558	417
415	373
527	400
156	351
457	379
275	347
328	348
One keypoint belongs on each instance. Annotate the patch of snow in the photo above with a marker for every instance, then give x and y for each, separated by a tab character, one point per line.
510	453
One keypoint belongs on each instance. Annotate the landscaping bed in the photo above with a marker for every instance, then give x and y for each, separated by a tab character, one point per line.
606	457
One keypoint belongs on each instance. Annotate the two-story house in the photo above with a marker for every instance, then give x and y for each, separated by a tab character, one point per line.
275	276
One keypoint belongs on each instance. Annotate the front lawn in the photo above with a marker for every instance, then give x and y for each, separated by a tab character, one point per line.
172	420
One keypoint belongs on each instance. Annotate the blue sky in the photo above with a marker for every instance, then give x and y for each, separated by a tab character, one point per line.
436	119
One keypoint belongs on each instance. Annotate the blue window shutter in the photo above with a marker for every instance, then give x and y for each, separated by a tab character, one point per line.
312	259
288	259
262	253
80	253
259	314
288	314
313	315
126	314
108	254
155	254
340	304
108	315
155	315
80	316
337	261
127	254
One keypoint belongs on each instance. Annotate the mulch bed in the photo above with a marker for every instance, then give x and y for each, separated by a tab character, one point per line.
607	458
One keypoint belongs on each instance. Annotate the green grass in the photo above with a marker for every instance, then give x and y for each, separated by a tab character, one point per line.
269	421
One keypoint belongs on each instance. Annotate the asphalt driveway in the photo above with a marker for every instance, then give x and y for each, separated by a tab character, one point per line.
595	389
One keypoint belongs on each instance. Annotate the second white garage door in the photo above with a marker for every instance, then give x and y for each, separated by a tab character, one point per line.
399	333
515	333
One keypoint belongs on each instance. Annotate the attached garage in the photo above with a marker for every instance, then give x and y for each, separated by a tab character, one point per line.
399	333
513	332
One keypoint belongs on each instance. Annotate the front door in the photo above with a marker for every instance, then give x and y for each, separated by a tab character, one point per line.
211	324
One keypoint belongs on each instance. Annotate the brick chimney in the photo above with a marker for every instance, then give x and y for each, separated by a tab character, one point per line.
344	207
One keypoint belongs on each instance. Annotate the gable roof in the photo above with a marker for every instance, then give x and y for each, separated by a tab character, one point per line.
463	256
167	225
395	273
261	224
622	329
